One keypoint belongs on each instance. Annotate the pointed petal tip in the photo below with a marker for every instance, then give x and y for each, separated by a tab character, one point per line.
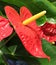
23	7
48	58
6	7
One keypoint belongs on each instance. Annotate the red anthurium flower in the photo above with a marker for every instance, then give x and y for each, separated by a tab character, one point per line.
27	34
48	32
5	29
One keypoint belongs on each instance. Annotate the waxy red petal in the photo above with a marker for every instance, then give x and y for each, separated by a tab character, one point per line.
28	36
5	29
25	14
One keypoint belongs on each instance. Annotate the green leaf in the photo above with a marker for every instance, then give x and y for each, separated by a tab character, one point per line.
49	48
35	5
29	4
1	59
13	49
51	20
54	3
45	62
52	0
41	20
46	5
1	13
5	50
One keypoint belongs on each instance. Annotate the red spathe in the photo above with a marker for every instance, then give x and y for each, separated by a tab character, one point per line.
27	34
